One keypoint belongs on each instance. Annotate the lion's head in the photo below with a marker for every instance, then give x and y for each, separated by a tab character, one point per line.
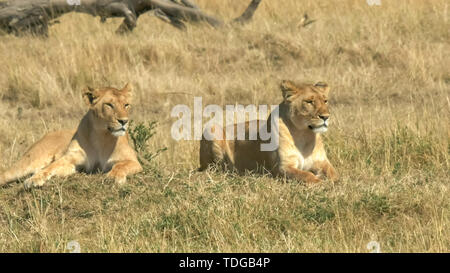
307	105
110	107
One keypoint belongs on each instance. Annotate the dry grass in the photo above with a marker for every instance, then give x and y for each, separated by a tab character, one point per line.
389	139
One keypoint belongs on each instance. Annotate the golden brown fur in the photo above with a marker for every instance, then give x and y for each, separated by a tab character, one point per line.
303	114
99	143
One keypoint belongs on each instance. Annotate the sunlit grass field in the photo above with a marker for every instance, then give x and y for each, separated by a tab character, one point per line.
389	70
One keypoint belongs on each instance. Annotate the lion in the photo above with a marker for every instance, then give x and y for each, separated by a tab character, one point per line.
99	143
300	154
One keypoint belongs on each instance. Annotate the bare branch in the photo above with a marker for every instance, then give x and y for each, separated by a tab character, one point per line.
174	22
248	13
189	4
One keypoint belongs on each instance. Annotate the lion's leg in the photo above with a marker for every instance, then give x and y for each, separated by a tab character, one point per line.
325	168
64	166
39	155
305	176
214	150
210	153
121	169
205	154
24	167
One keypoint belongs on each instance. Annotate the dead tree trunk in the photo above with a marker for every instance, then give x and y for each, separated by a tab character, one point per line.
19	16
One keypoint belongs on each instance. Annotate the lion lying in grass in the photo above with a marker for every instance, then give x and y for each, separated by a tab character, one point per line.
300	155
99	143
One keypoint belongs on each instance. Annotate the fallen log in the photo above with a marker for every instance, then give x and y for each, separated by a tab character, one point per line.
35	16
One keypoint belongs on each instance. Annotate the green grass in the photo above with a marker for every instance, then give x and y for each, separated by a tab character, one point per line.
188	211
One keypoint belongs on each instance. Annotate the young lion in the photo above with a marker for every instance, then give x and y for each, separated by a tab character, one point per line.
100	142
300	154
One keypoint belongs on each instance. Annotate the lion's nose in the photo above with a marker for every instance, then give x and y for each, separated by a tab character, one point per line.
123	121
324	117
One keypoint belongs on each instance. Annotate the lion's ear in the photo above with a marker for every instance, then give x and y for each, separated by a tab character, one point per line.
127	91
127	88
90	95
323	87
288	89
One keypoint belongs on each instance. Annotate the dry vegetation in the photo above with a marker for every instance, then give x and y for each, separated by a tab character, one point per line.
389	68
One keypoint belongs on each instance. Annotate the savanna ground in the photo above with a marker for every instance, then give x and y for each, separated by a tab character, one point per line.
389	68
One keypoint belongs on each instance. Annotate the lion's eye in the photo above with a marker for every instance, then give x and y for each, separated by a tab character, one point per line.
309	101
127	106
326	101
109	105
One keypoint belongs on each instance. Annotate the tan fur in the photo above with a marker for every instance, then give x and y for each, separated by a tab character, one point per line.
99	143
300	154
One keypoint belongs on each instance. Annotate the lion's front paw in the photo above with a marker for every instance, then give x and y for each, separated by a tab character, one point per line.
120	180
312	179
119	177
33	182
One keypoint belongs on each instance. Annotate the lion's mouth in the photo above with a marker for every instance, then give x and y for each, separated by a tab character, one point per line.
315	127
117	132
318	129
